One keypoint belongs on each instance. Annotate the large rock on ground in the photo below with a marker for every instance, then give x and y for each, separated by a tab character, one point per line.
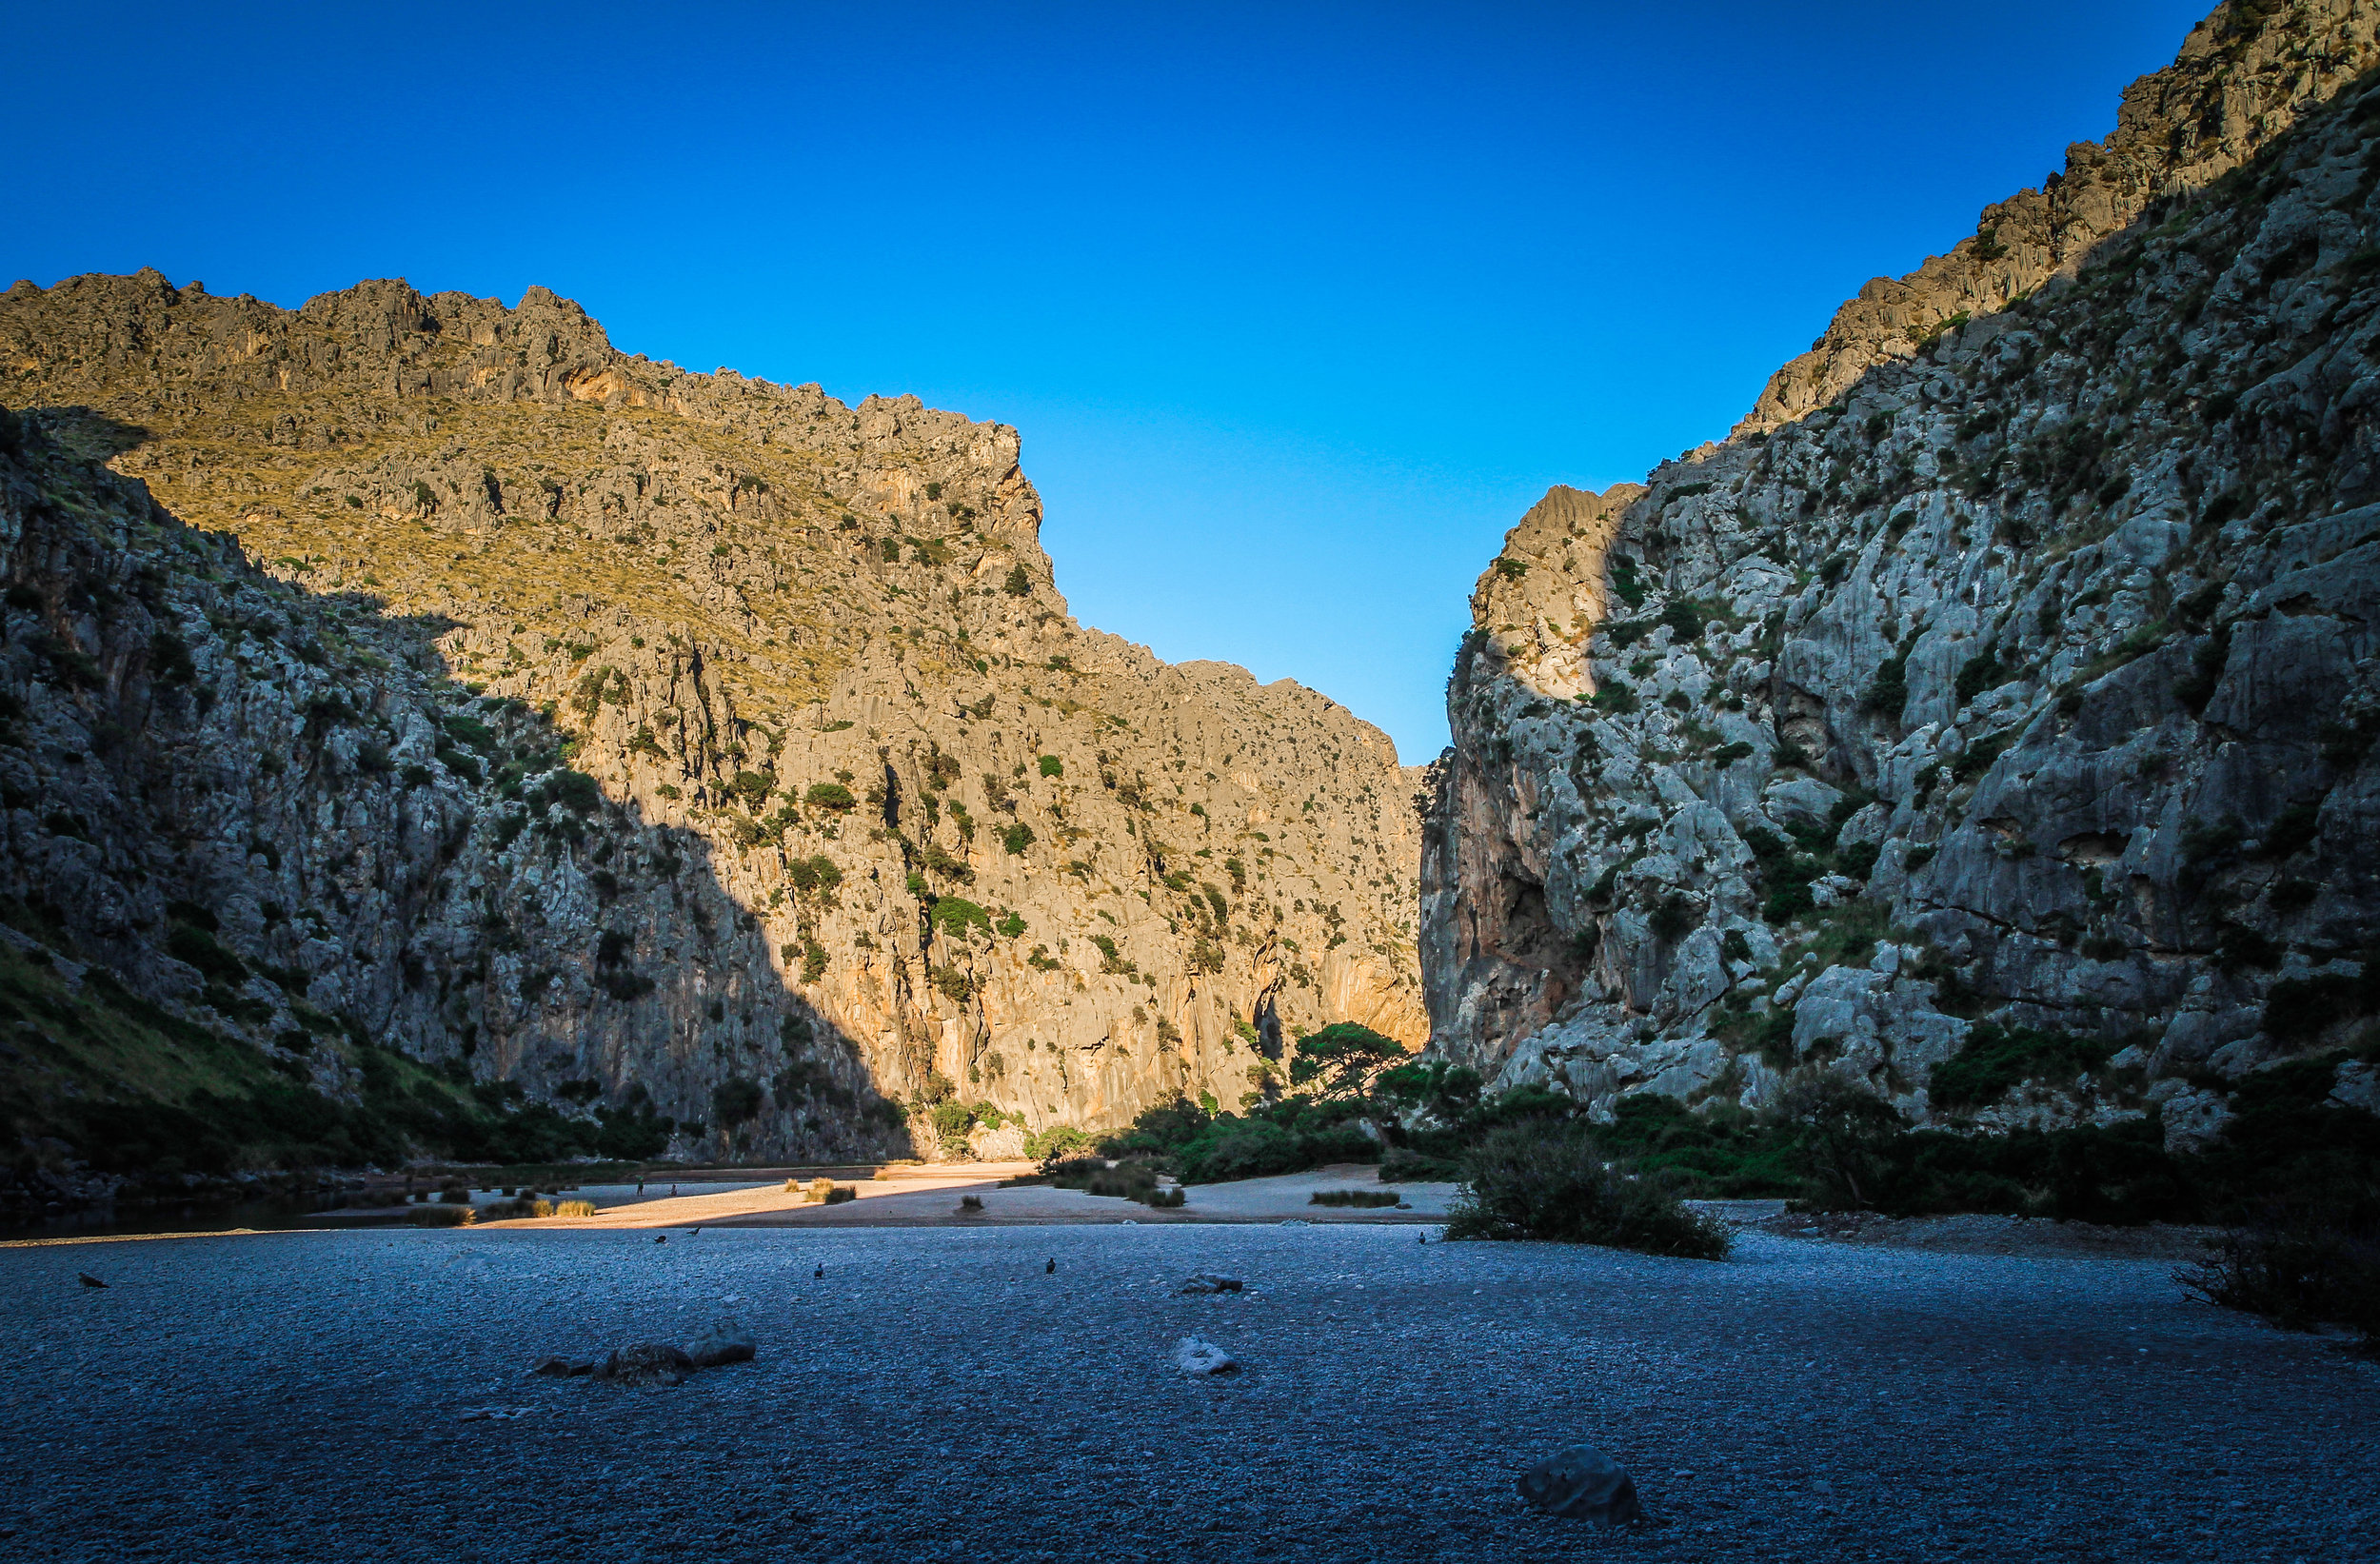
1581	1483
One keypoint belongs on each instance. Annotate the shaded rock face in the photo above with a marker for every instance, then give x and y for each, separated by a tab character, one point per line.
2011	667
874	820
252	811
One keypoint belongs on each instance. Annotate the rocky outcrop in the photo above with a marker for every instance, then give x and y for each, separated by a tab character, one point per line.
2242	77
871	820
2002	689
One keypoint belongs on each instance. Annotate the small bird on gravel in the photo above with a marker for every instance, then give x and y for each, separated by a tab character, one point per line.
1421	1237
1051	1269
692	1231
88	1280
661	1238
819	1275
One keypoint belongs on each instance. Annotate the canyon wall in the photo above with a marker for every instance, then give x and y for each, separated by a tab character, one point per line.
2005	684
636	739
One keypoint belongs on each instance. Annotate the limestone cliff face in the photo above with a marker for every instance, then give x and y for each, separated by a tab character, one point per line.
2014	670
874	813
2242	77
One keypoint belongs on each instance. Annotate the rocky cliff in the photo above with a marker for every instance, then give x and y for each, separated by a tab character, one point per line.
651	741
2002	689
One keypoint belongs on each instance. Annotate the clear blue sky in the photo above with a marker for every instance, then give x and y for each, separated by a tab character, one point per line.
1298	307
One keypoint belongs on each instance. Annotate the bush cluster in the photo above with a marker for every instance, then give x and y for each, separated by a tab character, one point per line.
1550	1180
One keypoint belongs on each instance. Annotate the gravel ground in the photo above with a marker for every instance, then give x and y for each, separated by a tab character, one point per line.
938	1396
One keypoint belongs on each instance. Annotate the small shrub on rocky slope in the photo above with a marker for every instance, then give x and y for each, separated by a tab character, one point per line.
1555	1181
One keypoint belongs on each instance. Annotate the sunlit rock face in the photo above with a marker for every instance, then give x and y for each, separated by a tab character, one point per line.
872	820
2011	666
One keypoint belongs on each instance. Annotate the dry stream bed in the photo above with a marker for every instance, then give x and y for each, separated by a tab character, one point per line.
939	1393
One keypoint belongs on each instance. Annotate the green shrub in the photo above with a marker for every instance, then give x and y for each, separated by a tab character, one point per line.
1367	1199
735	1100
1888	692
1976	675
833	796
1995	1057
2207	661
1448	1091
1685	619
1673	919
1132	1179
2300	1265
1844	1136
1405	1165
1980	756
1785	874
951	1121
1243	1148
1056	1142
955	915
1721	1149
1552	1181
2297	1009
1625	584
2293	830
198	948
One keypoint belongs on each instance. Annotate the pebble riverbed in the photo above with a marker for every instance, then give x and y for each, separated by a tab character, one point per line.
364	1395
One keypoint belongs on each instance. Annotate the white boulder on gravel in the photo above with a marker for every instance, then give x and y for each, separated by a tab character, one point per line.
1203	1358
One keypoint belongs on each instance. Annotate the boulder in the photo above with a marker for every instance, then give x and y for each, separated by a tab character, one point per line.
2358	1086
645	1364
1205	1283
725	1342
1582	1483
1203	1359
1801	801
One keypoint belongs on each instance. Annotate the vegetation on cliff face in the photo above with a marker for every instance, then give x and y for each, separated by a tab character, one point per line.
1989	721
669	745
